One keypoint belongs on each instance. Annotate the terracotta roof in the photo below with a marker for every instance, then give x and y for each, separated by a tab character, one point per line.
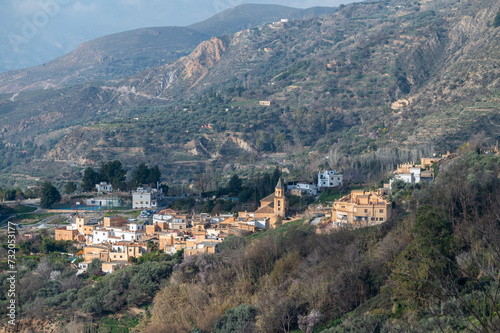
269	198
266	209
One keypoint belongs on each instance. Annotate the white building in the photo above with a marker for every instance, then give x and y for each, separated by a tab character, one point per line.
104	202
131	232
160	218
145	198
300	189
409	173
260	223
104	187
329	179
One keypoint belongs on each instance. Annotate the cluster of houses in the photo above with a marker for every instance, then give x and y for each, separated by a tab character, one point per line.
365	208
114	240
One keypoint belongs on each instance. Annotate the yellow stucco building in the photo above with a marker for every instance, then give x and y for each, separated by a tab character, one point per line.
361	208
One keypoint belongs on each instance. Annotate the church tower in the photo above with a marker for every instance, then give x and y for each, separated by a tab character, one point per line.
280	201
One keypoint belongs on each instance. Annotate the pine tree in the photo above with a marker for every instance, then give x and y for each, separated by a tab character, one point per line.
90	178
49	195
69	188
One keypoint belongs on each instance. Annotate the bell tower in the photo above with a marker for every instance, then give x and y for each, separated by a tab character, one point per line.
280	201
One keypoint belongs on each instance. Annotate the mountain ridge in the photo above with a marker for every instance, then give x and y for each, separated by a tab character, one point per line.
127	53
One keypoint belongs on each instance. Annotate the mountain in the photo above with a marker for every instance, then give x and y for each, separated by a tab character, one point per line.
372	77
110	57
123	54
249	16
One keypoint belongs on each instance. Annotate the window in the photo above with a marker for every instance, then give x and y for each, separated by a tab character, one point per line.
366	210
381	211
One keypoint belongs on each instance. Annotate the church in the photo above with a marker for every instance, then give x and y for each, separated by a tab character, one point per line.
274	206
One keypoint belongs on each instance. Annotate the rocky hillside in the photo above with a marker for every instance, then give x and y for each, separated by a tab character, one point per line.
372	75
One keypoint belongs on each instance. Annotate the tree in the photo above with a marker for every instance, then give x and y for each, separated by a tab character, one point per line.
95	267
49	195
235	184
154	175
90	178
239	319
113	173
427	260
164	188
69	188
141	175
201	182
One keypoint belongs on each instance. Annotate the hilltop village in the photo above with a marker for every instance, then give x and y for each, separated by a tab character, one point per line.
119	240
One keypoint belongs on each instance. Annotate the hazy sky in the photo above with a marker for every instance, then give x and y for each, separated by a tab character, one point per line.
35	31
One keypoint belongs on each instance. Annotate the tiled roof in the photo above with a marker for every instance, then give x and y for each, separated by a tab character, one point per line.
270	197
266	209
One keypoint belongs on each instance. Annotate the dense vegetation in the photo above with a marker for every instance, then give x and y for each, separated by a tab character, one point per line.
431	268
237	195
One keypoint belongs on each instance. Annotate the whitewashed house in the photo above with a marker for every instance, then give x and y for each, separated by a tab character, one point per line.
131	232
104	202
104	187
301	189
409	173
145	198
329	179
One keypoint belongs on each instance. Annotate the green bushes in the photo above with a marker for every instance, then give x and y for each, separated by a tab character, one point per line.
128	286
235	320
